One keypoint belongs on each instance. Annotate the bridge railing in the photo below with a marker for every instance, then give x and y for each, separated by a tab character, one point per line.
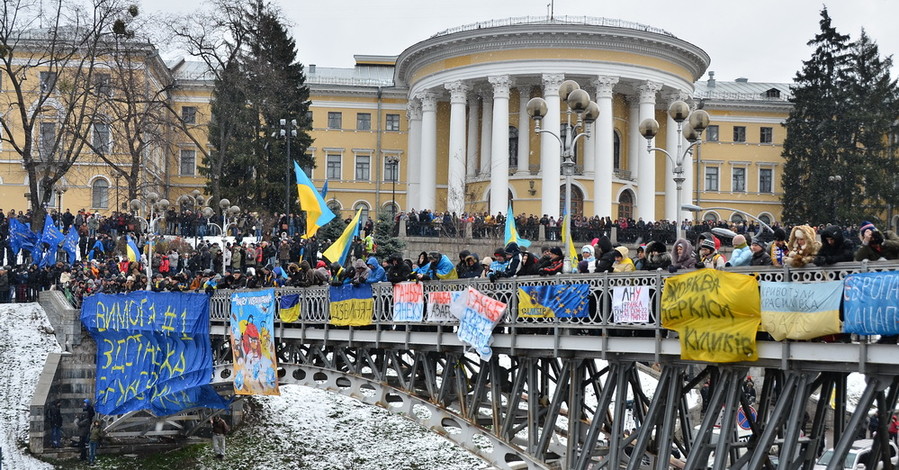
314	301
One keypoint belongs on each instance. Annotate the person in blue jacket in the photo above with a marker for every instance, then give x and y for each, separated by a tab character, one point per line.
742	255
377	271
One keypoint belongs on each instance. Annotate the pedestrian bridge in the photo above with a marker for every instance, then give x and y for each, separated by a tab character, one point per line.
579	393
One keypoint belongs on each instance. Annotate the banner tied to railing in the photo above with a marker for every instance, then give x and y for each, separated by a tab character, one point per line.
871	303
289	307
351	305
554	301
408	302
153	352
630	304
715	313
793	310
445	307
480	315
253	343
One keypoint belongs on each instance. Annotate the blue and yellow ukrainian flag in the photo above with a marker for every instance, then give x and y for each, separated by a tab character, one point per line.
311	201
289	307
512	231
339	250
570	250
351	305
132	251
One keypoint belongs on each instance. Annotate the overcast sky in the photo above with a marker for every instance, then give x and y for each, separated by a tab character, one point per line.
763	40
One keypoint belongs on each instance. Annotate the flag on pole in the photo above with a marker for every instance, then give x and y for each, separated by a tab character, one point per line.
570	250
311	201
70	244
339	250
132	251
512	232
21	236
51	235
325	189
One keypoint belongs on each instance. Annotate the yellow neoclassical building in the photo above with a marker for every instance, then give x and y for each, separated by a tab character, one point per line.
444	126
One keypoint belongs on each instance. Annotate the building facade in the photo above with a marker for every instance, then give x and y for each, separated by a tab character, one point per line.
443	126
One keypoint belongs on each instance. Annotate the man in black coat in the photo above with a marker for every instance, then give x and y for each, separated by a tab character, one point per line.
834	247
54	422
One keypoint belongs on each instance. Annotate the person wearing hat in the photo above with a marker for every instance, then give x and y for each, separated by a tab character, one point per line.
588	262
439	267
803	246
486	263
742	255
555	264
682	255
623	263
760	257
499	264
834	247
640	259
657	256
83	422
875	246
778	249
709	256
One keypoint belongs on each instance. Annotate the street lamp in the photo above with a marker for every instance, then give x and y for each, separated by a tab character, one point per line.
695	208
153	204
288	130
697	121
587	111
394	162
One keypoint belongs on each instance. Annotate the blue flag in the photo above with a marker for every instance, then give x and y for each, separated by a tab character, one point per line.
98	245
512	231
51	235
21	236
48	258
325	189
70	244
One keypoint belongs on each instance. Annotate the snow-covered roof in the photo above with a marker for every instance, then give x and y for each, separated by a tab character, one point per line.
742	90
183	69
360	75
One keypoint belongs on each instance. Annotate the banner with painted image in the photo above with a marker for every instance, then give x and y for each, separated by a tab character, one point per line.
351	305
445	306
716	314
630	304
153	352
793	310
554	301
477	320
871	303
408	302
253	343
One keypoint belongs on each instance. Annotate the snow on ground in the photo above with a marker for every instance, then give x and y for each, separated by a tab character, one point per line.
25	341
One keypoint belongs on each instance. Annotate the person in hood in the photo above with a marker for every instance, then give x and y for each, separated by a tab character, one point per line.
742	255
422	264
682	255
835	248
461	266
440	267
657	256
397	270
471	267
605	259
803	246
377	271
361	272
623	263
760	256
588	262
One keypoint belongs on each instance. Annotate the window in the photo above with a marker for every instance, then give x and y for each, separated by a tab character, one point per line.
711	134
101	138
363	121
103	84
100	194
739	134
308	121
189	114
392	169
48	138
766	176
333	167
513	147
363	167
738	185
616	150
766	135
365	208
335	120
711	178
48	81
188	162
393	122
335	206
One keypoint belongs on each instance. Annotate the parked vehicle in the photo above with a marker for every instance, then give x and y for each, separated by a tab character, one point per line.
859	456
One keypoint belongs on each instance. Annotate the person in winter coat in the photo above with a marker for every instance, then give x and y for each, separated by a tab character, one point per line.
499	264
471	267
219	429
778	250
605	259
588	262
834	247
422	264
709	256
555	263
877	246
54	421
742	255
377	271
760	257
397	270
682	255
361	273
83	422
623	263
96	434
657	256
803	246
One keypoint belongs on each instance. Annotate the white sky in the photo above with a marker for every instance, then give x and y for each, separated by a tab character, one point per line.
763	40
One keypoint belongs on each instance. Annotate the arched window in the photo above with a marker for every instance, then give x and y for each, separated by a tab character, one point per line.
335	206
513	147
626	205
616	150
736	218
711	217
577	201
365	208
100	194
765	218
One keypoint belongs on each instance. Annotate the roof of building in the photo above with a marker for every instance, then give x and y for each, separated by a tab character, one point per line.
360	75
183	69
741	90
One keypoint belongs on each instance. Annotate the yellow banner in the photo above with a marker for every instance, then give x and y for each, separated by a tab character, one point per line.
716	314
352	312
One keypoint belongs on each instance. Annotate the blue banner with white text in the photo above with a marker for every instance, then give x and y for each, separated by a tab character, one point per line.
153	352
871	303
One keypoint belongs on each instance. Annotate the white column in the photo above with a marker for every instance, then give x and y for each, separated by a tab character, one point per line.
646	192
550	150
428	175
471	156
486	130
413	160
672	137
455	184
499	166
524	132
604	141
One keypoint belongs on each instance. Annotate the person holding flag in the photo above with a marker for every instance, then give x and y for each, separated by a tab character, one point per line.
317	212
338	251
512	231
570	250
131	250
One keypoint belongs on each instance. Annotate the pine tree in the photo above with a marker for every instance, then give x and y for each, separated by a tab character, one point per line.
385	236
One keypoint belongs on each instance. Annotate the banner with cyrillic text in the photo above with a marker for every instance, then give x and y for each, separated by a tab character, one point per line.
793	310
554	301
871	303
408	302
153	352
630	304
351	305
253	343
715	313
441	305
476	322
